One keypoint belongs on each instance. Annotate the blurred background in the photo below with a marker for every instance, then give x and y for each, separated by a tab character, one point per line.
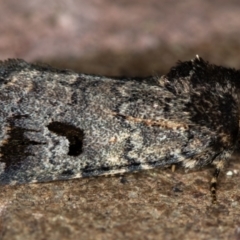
120	37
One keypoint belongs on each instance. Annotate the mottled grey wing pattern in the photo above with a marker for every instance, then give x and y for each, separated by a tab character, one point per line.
61	125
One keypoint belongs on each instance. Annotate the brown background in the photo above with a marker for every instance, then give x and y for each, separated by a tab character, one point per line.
132	38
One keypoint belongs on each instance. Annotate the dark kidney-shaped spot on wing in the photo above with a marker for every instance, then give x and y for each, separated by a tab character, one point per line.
74	135
67	172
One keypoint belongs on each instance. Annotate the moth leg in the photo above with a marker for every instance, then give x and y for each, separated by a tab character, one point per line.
173	168
213	186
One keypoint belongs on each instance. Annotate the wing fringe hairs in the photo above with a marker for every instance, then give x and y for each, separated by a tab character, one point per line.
57	124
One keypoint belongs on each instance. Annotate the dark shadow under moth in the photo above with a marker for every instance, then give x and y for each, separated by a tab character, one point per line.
57	124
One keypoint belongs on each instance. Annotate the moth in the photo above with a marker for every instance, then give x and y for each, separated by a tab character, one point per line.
58	124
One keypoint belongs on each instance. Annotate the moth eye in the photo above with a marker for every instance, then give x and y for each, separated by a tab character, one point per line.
74	135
